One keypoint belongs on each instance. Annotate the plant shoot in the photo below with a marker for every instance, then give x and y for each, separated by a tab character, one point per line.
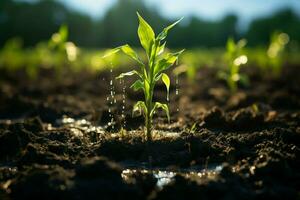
151	72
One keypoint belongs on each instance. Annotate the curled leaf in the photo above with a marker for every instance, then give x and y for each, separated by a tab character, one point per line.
133	72
162	106
139	106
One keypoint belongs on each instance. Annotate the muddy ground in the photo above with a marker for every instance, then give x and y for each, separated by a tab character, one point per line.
55	142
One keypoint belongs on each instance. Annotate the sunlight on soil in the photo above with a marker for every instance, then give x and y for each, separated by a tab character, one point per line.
165	177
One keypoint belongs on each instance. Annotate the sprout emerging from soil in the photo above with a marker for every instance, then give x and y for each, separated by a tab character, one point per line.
235	58
151	72
63	49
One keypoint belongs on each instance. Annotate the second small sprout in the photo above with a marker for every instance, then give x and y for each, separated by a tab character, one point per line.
235	58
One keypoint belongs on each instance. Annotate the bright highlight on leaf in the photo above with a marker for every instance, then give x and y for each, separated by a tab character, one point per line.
151	72
133	72
165	78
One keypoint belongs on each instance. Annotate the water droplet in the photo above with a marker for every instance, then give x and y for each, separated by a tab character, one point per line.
122	82
177	90
111	97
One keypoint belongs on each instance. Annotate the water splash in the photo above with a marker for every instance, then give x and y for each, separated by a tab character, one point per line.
177	91
123	116
111	99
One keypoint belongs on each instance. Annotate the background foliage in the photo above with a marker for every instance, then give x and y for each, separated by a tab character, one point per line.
34	22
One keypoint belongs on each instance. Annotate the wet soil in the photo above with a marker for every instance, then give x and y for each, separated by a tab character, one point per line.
56	141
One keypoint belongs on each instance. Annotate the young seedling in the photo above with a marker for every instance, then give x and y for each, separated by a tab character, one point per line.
234	59
63	49
151	72
276	50
58	40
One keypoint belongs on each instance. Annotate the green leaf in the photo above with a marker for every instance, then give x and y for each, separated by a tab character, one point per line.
162	106
166	62
161	49
146	34
164	33
63	32
139	106
157	77
131	53
230	46
111	52
127	50
133	72
137	85
165	78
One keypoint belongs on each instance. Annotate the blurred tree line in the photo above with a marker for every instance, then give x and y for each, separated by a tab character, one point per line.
36	21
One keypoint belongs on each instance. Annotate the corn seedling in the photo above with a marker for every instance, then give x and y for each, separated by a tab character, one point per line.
276	50
63	49
235	58
151	72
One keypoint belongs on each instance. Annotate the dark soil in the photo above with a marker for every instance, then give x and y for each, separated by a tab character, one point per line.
254	135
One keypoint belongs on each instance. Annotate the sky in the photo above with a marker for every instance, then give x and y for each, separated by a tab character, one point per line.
207	9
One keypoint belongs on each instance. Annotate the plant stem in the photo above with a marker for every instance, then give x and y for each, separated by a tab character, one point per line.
149	97
148	115
148	128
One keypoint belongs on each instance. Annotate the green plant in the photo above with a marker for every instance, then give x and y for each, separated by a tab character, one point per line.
235	57
276	50
59	39
63	50
151	72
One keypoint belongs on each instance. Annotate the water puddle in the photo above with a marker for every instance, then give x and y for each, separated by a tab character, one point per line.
161	133
80	126
165	177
